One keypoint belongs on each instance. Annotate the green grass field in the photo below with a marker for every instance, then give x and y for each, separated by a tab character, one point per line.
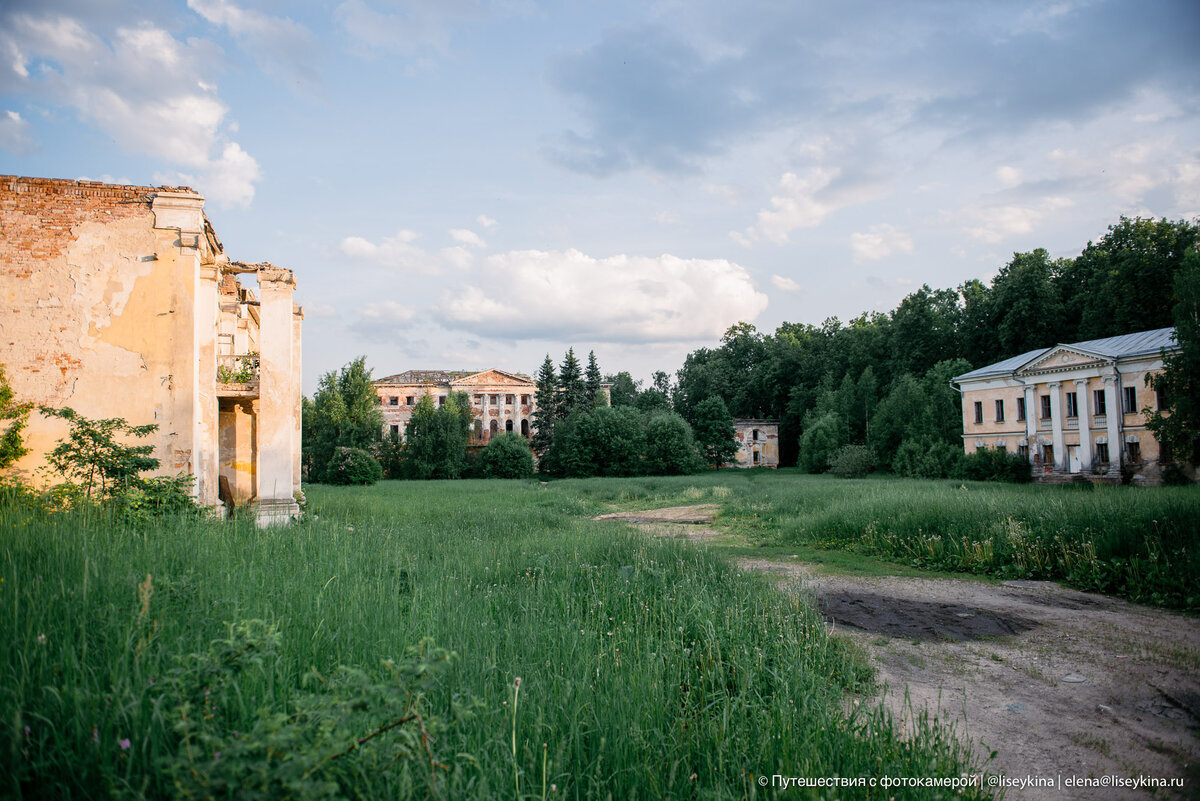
195	659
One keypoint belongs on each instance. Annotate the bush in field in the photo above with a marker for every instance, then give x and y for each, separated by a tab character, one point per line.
390	453
993	464
925	457
608	441
352	466
852	461
435	438
12	446
344	412
819	442
330	733
507	456
670	447
714	432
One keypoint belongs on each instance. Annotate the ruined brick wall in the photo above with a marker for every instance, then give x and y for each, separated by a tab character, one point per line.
96	310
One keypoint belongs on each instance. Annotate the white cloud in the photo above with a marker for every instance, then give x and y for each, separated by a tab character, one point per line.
666	218
785	283
458	256
467	237
396	252
805	201
414	29
387	311
145	90
278	44
742	239
15	134
993	224
485	221
1008	176
535	294
880	242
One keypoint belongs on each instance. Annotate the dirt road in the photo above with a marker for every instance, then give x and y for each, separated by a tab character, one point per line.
1058	683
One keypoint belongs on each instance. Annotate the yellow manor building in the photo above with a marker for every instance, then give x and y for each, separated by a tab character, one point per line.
1071	409
501	402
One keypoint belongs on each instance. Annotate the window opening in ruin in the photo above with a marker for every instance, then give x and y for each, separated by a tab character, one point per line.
1020	409
756	457
395	431
524	400
408	401
1045	407
1102	451
508	425
1072	404
978	411
999	411
754	435
441	400
1134	451
525	429
1130	394
394	400
1098	402
494	399
510	399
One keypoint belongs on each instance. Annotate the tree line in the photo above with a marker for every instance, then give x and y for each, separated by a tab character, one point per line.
577	432
883	380
871	393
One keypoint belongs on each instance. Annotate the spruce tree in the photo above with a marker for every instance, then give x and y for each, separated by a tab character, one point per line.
572	391
592	381
546	401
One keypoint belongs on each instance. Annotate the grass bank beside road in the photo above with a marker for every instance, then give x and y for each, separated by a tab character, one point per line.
375	652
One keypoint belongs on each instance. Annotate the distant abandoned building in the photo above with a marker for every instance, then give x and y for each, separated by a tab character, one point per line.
1071	409
758	442
501	402
119	301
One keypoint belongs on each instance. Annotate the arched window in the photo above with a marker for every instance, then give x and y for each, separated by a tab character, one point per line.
495	426
508	425
525	429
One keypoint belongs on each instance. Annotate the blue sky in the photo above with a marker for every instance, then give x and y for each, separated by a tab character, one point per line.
467	184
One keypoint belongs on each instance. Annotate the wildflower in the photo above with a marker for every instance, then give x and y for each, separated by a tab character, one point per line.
41	639
125	744
95	734
27	731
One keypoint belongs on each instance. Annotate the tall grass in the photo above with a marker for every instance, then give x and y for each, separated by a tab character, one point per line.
648	669
1142	543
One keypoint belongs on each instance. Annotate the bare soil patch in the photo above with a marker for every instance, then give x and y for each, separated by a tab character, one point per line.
1059	683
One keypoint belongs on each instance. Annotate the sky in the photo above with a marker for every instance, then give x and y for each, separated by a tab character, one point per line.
465	184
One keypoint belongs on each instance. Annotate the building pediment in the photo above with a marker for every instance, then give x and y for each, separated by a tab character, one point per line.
1060	358
492	378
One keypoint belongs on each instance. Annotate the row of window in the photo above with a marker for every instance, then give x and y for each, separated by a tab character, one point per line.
1099	405
494	400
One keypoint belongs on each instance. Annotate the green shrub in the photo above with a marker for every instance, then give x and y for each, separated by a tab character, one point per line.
507	456
670	446
352	466
924	457
852	461
988	464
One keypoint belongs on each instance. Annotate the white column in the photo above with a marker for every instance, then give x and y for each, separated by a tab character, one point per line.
1056	425
205	455
276	398
1116	448
1084	403
1031	413
483	407
297	319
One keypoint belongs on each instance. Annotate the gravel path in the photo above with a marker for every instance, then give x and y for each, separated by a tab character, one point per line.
1058	683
